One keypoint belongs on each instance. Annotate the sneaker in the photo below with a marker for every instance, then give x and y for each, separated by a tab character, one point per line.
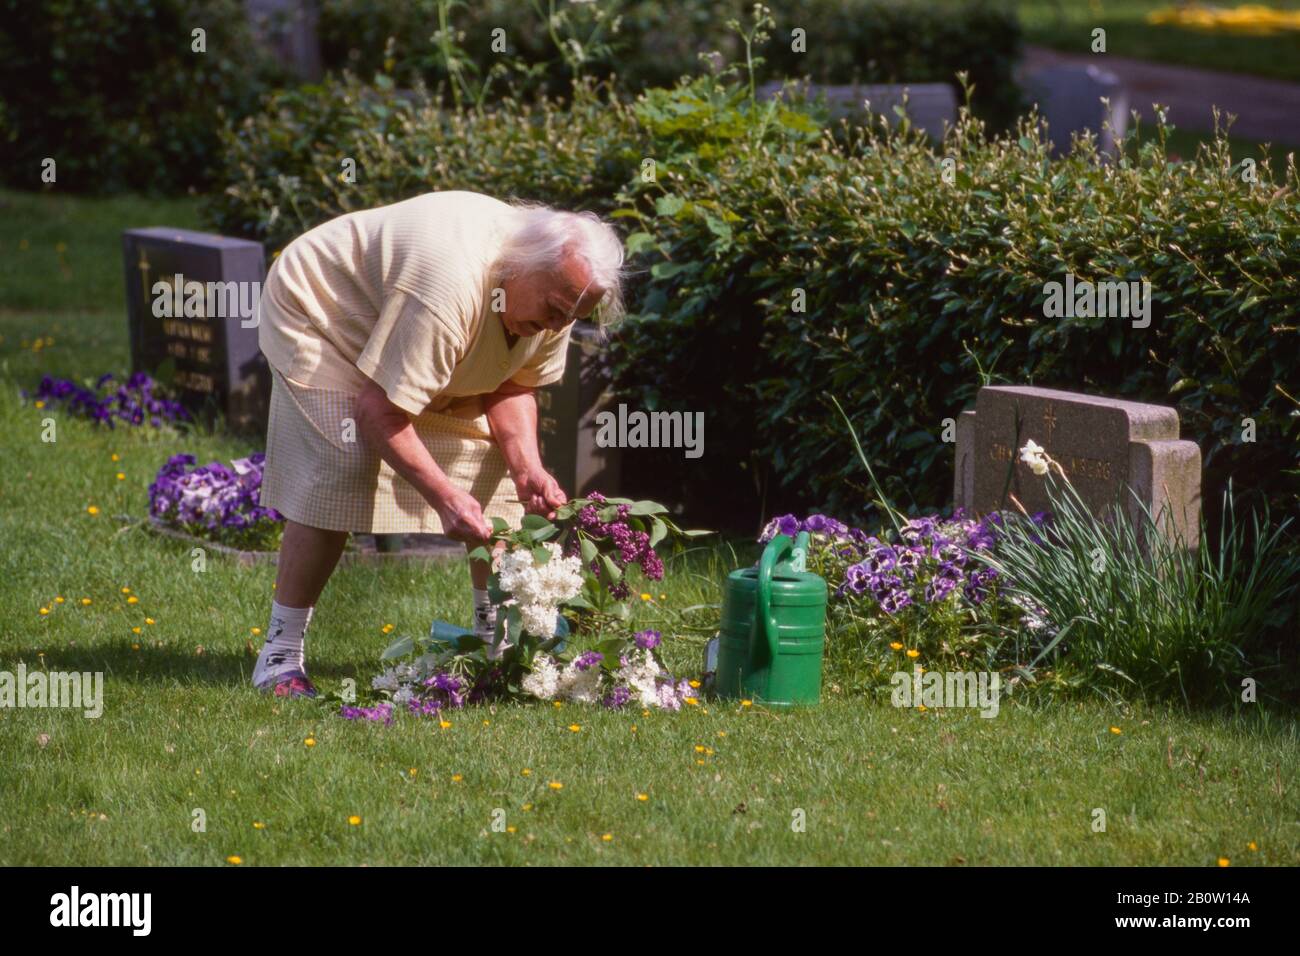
292	685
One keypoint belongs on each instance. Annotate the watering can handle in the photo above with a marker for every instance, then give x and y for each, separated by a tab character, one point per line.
777	548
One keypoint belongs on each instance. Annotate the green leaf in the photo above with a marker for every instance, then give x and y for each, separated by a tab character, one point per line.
646	508
500	526
480	553
541	556
669	205
589	550
535	523
658	530
613	573
399	648
696	533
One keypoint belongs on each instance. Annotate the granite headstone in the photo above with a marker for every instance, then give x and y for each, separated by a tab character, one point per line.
192	308
1115	453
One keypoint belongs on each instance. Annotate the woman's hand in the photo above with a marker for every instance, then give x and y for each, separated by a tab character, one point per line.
462	516
540	493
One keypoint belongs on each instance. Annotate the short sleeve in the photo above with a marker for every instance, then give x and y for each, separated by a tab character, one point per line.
411	353
546	366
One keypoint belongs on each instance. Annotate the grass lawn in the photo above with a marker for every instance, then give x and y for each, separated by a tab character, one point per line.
182	730
1068	25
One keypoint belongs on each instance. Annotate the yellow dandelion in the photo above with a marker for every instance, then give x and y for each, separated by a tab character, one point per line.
695	684
555	785
643	797
115	457
133	600
645	713
85	602
693	701
39	404
234	860
607	837
259	825
135	647
310	742
456	778
646	597
913	653
137	629
412	771
634	728
354	820
700	762
444	724
559	704
59	599
45	610
663	597
527	807
1252	846
894	645
510	830
722	733
121	476
149	620
255	631
1116	730
487	723
922	708
1224	861
746	703
387	629
92	510
575	727
126	590
526	772
699	748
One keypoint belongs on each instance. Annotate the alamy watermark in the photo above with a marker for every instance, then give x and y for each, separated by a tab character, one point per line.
639	429
75	908
178	298
82	690
935	690
1104	300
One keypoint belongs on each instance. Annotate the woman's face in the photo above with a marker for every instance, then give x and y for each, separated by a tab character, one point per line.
548	301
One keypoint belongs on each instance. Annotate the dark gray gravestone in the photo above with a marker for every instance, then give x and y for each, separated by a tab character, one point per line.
1114	453
192	307
566	421
929	106
1069	99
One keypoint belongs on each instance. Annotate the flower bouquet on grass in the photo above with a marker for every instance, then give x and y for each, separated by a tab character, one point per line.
215	502
550	580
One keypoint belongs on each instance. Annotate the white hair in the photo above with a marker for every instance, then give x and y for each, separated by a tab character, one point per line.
544	236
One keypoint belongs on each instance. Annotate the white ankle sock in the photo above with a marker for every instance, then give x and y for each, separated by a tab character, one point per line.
485	622
283	651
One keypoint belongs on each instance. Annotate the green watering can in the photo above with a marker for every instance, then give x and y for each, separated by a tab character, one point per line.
773	628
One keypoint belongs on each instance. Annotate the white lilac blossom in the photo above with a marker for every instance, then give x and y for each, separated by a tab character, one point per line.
543	681
538	590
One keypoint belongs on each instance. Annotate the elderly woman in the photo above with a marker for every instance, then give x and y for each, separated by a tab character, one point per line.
405	344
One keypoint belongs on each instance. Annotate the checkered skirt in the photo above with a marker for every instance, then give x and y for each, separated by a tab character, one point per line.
319	471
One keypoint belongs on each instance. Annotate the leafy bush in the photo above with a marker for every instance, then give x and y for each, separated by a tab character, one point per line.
113	93
283	166
914	290
656	42
784	270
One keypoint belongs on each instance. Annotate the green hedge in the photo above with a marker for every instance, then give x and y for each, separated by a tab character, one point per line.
915	288
112	92
658	41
